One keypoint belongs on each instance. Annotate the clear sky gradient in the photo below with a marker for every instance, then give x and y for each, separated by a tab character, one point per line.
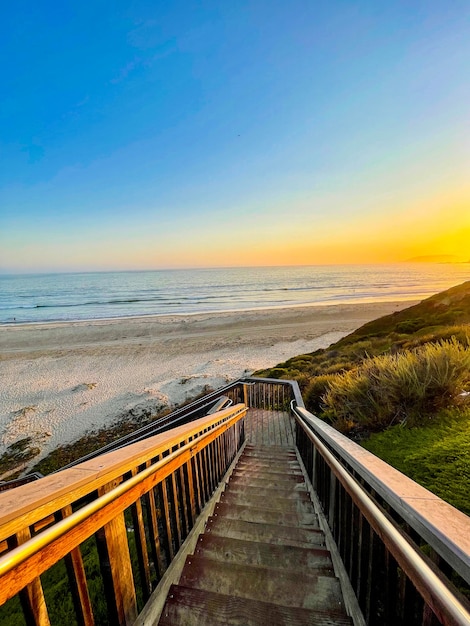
148	134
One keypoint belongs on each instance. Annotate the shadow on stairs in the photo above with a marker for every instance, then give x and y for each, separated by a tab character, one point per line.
262	558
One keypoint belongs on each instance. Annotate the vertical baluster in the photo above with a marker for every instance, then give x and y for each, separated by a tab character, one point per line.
196	483
77	579
218	448
277	416
390	586
345	523
175	500
429	619
32	598
190	486
216	459
406	599
152	523
326	484
314	474
167	519
185	506
369	575
340	519
375	608
213	464
226	436
206	475
353	542
362	560
218	463
202	477
141	546
332	505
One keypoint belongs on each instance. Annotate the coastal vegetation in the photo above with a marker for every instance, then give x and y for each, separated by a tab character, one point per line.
400	386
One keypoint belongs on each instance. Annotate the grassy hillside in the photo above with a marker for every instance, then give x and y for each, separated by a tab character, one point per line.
401	386
442	316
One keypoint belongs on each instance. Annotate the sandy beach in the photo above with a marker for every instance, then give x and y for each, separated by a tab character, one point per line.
60	380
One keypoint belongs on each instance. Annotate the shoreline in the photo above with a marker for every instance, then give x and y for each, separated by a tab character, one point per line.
412	298
63	379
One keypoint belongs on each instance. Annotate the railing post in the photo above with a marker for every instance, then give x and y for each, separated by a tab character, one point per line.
117	568
32	596
245	395
332	502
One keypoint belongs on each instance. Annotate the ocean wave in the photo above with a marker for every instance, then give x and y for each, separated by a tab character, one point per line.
33	298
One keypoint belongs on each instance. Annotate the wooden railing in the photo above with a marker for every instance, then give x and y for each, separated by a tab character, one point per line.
109	526
104	532
405	551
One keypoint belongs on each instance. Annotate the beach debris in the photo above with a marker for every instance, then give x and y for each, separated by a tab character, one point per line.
84	386
24	410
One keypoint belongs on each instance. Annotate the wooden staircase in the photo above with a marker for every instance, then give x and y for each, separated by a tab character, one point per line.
262	558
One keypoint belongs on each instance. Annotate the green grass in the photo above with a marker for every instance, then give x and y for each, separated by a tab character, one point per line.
436	456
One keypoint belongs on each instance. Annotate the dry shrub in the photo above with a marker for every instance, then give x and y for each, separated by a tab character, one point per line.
313	394
408	387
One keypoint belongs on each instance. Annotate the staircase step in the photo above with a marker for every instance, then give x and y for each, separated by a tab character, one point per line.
196	607
256	493
262	558
258	479
268	555
281	466
294	500
267	533
271	450
261	583
268	471
268	458
267	449
266	516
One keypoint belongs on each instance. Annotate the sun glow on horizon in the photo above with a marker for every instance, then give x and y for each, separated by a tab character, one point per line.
261	136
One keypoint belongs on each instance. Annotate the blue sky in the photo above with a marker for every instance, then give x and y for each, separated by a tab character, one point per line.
178	134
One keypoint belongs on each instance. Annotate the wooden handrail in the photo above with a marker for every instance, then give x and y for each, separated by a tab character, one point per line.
359	492
443	603
444	527
35	501
191	457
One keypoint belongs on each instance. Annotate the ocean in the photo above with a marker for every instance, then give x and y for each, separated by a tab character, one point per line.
102	295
